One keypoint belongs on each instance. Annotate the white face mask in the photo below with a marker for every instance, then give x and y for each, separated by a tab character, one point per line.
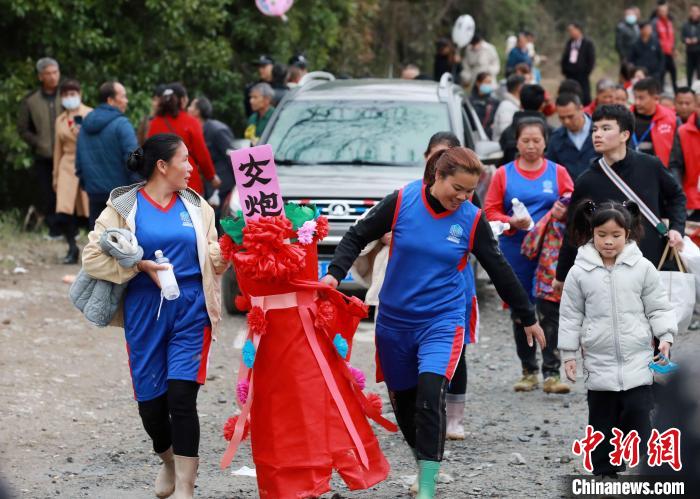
71	103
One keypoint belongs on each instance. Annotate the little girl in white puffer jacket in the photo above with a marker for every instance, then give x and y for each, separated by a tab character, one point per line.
612	306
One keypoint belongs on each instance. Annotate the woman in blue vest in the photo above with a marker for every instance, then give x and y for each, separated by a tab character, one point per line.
167	341
537	183
421	319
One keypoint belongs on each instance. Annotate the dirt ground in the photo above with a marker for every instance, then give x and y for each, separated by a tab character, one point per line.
69	426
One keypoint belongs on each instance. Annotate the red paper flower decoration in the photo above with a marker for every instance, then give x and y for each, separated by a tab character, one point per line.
321	228
228	247
256	320
266	254
230	427
325	316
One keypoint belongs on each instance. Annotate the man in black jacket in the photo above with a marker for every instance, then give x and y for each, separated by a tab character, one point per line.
646	52
626	33
578	59
645	174
219	139
690	34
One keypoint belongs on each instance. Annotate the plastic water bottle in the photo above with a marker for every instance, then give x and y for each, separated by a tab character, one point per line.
520	211
498	227
168	283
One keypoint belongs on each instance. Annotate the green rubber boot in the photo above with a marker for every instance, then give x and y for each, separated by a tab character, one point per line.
427	476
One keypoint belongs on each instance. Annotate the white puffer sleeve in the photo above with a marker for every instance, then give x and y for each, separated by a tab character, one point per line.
571	315
657	306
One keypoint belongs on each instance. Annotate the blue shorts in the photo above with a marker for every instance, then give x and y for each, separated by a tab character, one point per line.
175	346
471	335
406	350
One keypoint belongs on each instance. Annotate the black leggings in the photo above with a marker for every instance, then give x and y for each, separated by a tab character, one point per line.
458	384
548	314
172	419
68	225
420	413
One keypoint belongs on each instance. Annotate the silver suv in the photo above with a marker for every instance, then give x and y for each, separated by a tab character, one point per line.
345	144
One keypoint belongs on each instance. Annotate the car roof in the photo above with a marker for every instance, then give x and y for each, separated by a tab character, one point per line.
373	89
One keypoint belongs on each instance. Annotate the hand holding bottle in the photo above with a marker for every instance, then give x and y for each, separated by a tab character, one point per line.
151	268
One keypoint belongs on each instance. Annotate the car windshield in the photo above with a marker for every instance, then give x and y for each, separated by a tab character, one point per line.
356	132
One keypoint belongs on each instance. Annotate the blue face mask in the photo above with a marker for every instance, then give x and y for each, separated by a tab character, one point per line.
485	88
631	19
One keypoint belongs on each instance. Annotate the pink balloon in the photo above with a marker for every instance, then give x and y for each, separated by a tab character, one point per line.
274	7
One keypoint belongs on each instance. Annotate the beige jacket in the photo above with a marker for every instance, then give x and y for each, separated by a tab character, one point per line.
70	198
369	269
121	213
483	58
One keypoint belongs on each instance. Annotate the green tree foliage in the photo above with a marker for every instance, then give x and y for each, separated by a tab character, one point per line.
210	46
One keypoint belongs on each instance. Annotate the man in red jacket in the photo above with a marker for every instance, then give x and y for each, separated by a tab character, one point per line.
663	28
654	125
685	163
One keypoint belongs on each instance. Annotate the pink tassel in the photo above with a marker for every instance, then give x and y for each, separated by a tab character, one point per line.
242	391
359	376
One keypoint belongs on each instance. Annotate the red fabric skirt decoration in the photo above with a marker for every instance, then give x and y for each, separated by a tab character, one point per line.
308	415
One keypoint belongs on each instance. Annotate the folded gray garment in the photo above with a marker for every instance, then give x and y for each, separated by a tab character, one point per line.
99	300
122	245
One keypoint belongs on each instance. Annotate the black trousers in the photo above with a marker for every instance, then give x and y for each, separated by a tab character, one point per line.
585	82
548	315
693	65
627	410
172	419
420	413
45	197
68	226
669	67
458	383
98	202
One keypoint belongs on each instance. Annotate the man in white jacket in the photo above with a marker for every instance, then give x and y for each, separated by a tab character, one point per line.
508	106
479	56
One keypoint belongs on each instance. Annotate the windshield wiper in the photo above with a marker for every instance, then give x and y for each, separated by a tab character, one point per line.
365	162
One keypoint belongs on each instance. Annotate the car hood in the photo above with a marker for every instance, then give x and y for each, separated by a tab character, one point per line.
344	181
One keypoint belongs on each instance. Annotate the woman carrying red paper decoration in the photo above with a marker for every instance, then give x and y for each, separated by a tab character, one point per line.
421	320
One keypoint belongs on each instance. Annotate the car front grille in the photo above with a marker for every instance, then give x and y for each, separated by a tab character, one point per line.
343	211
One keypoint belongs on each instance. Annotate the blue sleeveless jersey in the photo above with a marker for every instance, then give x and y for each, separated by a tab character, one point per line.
429	251
538	195
169	229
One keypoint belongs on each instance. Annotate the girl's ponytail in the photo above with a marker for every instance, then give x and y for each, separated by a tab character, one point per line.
636	230
581	222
